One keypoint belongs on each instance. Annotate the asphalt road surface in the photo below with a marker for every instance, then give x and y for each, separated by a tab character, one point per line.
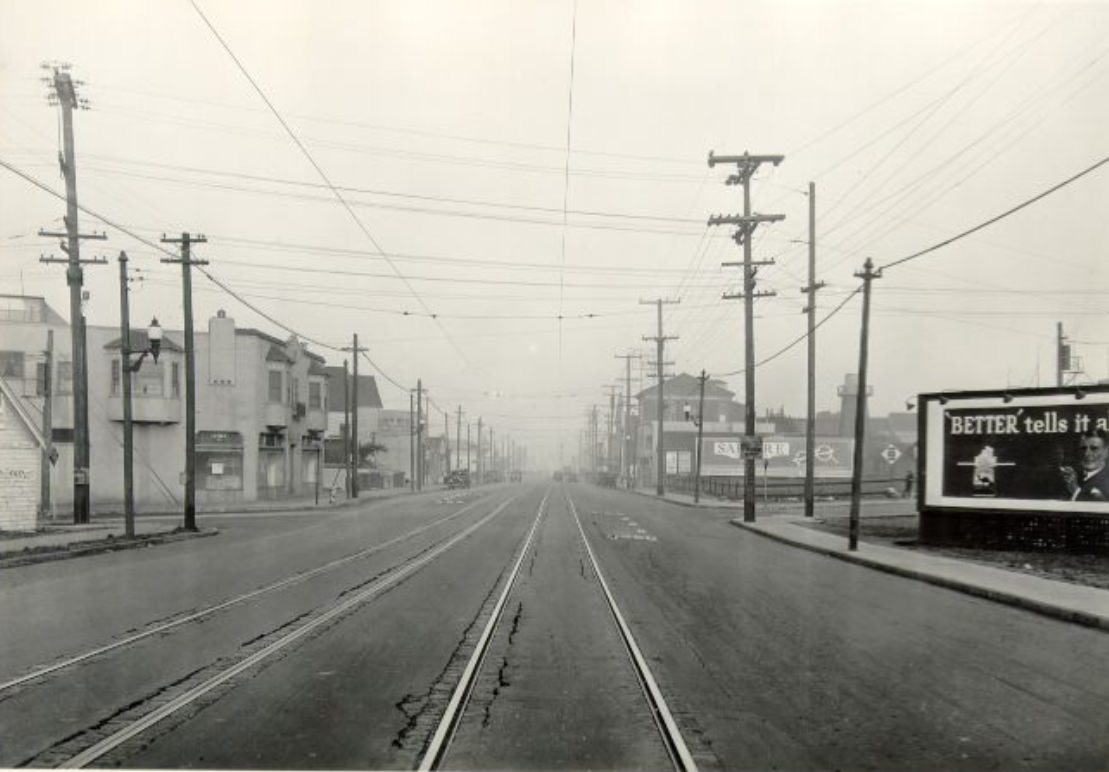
337	640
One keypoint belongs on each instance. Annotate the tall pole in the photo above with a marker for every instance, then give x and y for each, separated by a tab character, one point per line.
868	274
810	311
627	456
660	445
467	447
125	377
480	455
447	439
746	165
412	440
458	440
700	437
65	96
346	427
48	454
1060	355
187	262
419	434
355	457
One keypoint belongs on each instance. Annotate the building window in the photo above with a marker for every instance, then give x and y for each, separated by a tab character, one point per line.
271	460
115	378
315	401
11	364
275	390
175	380
150	381
219	461
65	378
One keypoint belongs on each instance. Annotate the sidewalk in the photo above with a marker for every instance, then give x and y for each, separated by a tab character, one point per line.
59	538
784	522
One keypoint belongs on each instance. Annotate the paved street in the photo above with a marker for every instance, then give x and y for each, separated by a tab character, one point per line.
337	639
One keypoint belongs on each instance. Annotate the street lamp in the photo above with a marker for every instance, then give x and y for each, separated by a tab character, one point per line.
153	347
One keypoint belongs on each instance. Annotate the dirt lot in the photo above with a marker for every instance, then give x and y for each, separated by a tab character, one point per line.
901	532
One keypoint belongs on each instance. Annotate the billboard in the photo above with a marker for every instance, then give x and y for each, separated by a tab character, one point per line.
1021	450
782	456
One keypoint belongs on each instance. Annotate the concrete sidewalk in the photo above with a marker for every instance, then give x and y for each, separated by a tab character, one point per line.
58	539
784	522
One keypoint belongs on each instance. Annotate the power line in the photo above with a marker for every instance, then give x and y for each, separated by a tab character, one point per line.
999	217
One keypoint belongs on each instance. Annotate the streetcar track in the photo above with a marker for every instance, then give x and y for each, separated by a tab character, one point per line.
668	728
439	746
332	613
460	696
196	616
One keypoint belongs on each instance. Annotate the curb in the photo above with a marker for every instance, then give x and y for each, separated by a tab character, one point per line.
81	549
1039	607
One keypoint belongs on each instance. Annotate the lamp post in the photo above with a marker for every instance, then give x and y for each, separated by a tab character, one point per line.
699	422
153	347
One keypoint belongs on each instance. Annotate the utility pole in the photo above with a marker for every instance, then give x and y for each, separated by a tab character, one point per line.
609	437
627	458
458	441
868	274
355	452
419	434
468	447
125	378
187	262
411	441
660	343
347	456
49	455
700	436
810	309
480	458
65	96
447	439
746	166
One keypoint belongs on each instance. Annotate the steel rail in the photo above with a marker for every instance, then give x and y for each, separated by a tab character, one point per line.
281	584
139	726
668	728
440	740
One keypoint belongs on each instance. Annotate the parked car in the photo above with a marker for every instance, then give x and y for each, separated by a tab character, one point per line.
460	478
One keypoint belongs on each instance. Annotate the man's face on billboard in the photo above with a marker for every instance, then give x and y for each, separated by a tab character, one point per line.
1093	453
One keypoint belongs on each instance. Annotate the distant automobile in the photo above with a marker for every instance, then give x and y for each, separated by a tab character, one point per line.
572	477
517	476
460	478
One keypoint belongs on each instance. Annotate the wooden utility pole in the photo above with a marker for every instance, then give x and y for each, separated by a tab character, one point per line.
355	458
868	274
447	439
412	440
347	456
810	309
125	378
480	457
65	96
627	457
49	455
458	441
660	343
746	166
187	262
700	436
419	434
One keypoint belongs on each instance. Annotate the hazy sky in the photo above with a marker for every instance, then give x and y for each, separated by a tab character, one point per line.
507	163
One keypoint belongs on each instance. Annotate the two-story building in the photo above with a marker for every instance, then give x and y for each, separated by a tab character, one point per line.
261	409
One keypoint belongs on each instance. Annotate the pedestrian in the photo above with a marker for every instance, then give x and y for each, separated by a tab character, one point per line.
910	478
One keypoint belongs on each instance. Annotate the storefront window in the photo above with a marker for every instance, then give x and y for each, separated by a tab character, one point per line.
219	461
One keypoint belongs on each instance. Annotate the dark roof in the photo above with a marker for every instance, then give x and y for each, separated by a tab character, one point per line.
368	395
139	341
686	385
316	366
277	354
